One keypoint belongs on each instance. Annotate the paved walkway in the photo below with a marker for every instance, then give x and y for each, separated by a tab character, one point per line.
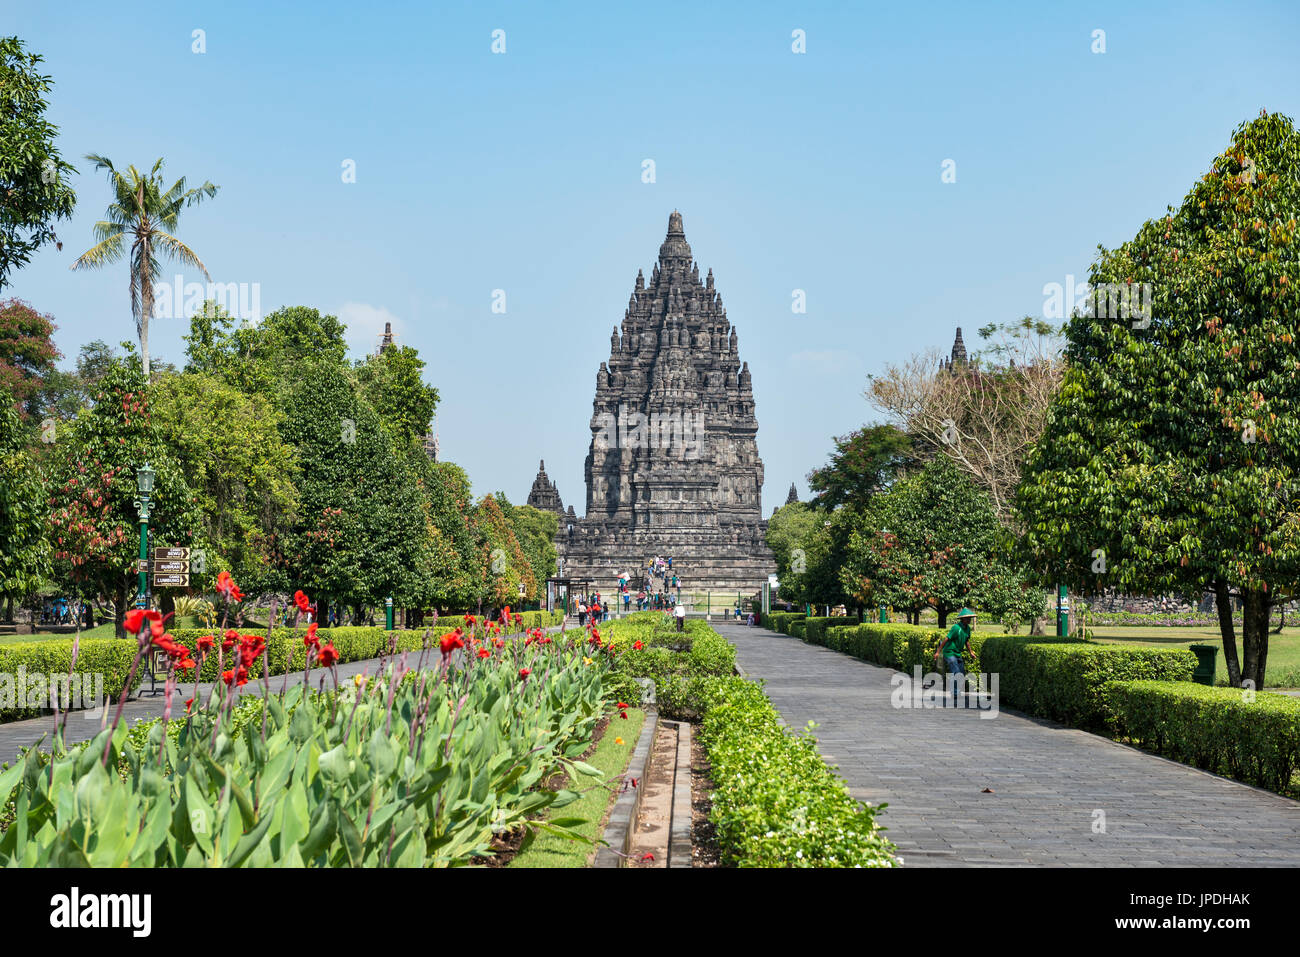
1048	782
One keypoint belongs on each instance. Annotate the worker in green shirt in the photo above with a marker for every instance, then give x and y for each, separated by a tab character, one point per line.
955	646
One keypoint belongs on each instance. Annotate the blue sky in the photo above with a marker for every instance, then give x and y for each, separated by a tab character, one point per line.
522	171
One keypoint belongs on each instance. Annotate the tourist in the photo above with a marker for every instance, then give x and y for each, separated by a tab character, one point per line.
954	646
627	601
582	613
670	562
680	612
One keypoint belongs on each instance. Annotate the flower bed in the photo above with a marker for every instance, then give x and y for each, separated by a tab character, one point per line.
408	768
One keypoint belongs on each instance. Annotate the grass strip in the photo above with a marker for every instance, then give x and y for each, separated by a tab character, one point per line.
611	759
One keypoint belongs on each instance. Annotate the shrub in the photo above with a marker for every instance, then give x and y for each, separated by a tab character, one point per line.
776	803
1216	729
52	659
797	627
779	621
1063	680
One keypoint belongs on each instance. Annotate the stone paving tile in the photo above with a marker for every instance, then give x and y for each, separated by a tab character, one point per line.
931	766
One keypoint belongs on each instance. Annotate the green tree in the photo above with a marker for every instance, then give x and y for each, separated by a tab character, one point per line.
393	384
788	532
94	526
27	355
228	444
147	214
506	564
360	533
933	540
1171	457
535	531
24	547
864	462
33	193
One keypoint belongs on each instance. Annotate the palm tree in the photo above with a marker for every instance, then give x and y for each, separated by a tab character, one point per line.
144	212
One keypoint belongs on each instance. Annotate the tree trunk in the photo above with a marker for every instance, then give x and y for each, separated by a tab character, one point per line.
1228	632
119	611
943	618
1254	636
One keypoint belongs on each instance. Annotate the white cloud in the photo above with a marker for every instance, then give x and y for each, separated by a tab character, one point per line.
365	326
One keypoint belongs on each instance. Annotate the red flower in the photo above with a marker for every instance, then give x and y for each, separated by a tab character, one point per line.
636	645
484	653
156	623
229	638
227	676
189	703
206	643
623	715
621	706
226	586
328	656
498	643
646	857
134	620
310	638
451	641
525	672
301	600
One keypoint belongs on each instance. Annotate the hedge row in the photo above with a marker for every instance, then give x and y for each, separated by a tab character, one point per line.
1216	729
776	803
779	621
36	663
1057	678
1063	680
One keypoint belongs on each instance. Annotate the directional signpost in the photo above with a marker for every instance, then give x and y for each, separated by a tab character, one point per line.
170	568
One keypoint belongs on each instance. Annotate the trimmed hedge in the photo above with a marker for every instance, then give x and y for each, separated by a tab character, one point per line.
1063	680
796	628
1215	729
53	658
776	803
779	621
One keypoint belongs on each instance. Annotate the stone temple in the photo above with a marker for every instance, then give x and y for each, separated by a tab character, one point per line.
673	467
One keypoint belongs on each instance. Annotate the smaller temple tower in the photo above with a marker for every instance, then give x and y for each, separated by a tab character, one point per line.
544	495
958	355
793	496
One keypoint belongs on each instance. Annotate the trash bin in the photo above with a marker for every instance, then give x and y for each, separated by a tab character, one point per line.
1206	657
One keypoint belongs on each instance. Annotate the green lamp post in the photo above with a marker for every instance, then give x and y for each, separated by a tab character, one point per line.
144	477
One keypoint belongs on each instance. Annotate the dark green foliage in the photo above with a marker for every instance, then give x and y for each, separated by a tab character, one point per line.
33	177
1216	729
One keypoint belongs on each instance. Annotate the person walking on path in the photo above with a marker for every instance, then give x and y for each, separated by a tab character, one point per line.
680	612
955	650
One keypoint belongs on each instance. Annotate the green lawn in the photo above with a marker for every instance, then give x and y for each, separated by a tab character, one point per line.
99	631
1283	650
610	758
